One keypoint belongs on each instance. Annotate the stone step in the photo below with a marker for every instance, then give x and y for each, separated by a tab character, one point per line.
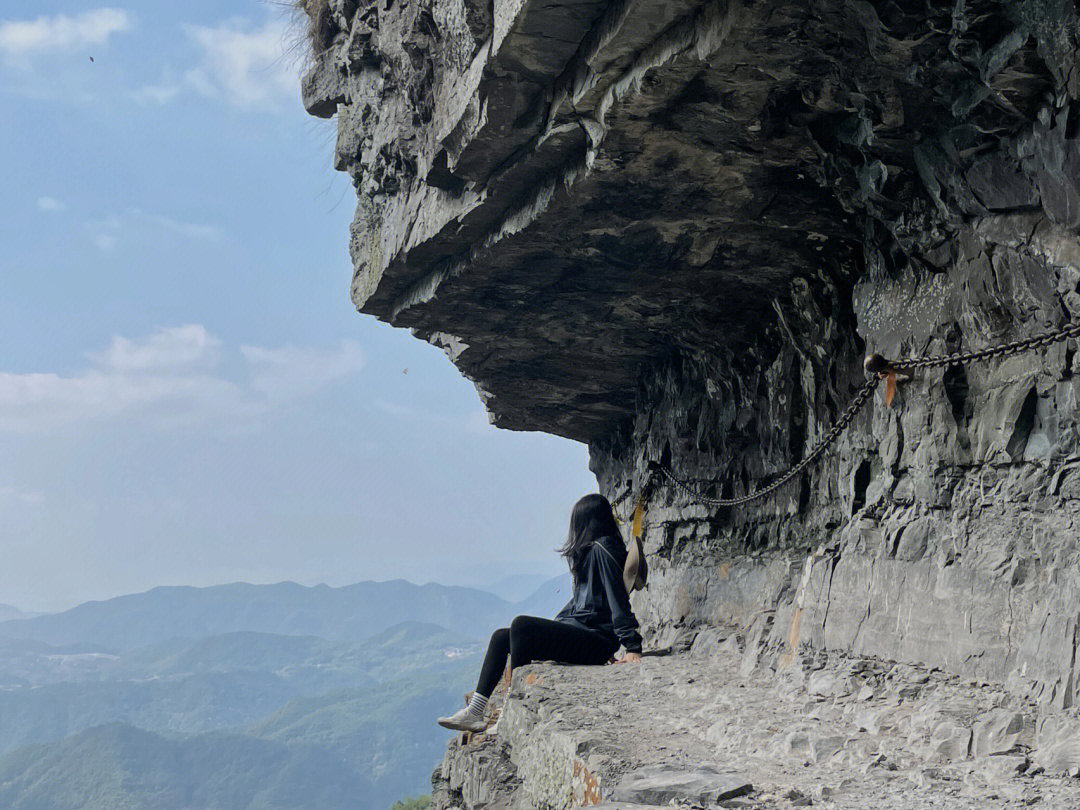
692	730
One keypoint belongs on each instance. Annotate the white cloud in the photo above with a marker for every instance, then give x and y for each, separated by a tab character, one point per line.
171	379
292	371
21	39
192	230
161	93
248	69
36	402
105	233
170	348
50	205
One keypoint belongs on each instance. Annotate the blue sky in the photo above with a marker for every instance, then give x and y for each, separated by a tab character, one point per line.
186	393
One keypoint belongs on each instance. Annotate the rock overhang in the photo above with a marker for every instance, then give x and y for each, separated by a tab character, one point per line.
570	193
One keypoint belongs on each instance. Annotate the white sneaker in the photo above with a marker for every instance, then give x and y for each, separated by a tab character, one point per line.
464	720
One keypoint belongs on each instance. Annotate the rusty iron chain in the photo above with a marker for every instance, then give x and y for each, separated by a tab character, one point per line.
861	398
826	441
1004	350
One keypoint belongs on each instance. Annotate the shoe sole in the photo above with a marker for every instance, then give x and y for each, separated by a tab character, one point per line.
457	727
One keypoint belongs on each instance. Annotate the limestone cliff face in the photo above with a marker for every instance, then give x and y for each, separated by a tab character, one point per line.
671	229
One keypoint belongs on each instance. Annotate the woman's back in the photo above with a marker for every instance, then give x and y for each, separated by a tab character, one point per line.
600	601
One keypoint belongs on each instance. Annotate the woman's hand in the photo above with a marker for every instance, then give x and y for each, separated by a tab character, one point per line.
630	658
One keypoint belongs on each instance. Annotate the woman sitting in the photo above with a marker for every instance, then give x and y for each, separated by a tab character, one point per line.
587	631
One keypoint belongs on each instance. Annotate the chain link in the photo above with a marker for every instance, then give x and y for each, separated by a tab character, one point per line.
827	440
1004	350
861	398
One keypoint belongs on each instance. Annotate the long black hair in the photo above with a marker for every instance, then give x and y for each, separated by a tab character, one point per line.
591	519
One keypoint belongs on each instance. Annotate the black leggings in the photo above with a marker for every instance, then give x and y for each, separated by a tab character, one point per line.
531	639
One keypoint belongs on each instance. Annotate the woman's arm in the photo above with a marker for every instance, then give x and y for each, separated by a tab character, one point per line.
622	615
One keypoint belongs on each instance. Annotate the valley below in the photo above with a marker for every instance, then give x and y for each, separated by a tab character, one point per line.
240	696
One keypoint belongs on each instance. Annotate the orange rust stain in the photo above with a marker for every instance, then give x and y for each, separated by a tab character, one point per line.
793	637
585	787
724	571
532	678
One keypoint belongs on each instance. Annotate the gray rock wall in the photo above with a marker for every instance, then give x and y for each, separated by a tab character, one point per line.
942	531
673	229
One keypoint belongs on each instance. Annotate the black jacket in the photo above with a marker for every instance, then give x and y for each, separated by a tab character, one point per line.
600	600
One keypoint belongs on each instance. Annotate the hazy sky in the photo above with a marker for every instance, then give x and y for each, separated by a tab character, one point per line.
186	394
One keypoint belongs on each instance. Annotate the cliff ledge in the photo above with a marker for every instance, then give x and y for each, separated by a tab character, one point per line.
672	230
710	727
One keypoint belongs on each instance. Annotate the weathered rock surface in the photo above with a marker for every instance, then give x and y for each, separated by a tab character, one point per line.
673	229
826	731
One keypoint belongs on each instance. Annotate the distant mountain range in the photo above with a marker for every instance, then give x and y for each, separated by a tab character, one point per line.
350	613
241	696
546	600
9	612
516	587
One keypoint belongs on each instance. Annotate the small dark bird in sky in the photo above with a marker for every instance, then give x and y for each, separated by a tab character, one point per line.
91	59
404	371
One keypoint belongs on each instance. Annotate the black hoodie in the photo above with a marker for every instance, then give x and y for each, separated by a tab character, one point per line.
600	600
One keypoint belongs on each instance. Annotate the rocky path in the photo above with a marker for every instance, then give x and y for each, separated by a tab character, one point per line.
701	729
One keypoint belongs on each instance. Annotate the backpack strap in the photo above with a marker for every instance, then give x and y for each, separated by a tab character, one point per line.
604	549
633	577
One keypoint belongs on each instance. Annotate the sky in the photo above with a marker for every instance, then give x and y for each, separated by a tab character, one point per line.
187	395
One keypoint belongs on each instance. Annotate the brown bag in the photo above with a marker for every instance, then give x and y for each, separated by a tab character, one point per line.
635	572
